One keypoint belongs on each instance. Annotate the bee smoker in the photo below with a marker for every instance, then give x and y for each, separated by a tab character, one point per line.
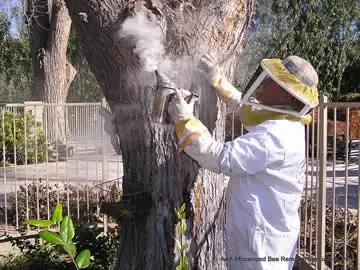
165	90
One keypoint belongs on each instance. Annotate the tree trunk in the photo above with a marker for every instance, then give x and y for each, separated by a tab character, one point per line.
157	176
49	34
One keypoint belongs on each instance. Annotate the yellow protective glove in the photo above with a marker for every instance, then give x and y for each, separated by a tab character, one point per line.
188	127
211	70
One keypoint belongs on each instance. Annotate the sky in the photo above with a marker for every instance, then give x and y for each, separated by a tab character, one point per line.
6	6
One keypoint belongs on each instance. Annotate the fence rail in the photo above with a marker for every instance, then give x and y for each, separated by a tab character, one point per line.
53	153
329	213
59	152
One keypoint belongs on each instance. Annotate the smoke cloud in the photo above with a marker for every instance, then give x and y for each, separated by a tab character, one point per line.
147	37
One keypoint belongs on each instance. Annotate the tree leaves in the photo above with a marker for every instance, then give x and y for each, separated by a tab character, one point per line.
83	259
39	223
180	212
67	230
322	32
63	237
184	265
57	214
51	237
70	248
181	228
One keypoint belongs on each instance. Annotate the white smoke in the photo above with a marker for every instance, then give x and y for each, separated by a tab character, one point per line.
147	37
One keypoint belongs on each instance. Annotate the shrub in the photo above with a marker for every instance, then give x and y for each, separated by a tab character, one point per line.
62	237
33	256
103	248
33	138
350	97
40	190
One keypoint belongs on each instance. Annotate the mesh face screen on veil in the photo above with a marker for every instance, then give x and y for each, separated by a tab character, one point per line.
269	93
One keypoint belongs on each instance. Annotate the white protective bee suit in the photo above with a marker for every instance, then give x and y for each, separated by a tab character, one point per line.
266	169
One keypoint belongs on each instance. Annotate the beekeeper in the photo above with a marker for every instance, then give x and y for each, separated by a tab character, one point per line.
266	166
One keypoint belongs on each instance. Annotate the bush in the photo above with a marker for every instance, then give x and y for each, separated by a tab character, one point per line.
350	97
34	141
40	190
103	247
33	256
339	224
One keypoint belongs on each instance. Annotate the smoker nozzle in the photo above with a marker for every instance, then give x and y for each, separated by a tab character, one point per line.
163	81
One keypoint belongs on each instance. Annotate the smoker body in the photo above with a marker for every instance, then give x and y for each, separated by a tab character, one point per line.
161	103
165	90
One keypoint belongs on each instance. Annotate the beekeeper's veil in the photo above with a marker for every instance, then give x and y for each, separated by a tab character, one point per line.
285	89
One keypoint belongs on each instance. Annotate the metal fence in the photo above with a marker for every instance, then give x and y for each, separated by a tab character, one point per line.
329	212
53	153
58	153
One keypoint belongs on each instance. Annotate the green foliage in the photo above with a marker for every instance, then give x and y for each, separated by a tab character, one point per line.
83	259
15	64
103	248
34	140
350	97
351	78
63	237
40	223
181	229
50	237
323	32
57	216
35	256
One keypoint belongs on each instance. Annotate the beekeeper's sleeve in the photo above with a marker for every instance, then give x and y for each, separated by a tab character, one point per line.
245	155
228	93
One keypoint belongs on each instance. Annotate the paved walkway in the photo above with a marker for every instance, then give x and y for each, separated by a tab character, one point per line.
336	180
85	168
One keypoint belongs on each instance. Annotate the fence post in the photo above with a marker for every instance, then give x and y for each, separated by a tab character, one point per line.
104	168
320	253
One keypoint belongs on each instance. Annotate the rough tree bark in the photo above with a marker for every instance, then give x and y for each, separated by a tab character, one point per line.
157	176
49	27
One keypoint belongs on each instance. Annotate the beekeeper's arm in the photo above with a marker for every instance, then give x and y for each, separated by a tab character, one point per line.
226	91
246	154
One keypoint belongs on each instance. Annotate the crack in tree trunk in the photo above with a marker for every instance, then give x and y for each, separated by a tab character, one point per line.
155	170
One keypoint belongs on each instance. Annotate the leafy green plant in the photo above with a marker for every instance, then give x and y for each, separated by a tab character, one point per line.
63	237
324	32
15	58
34	256
181	229
14	136
103	248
